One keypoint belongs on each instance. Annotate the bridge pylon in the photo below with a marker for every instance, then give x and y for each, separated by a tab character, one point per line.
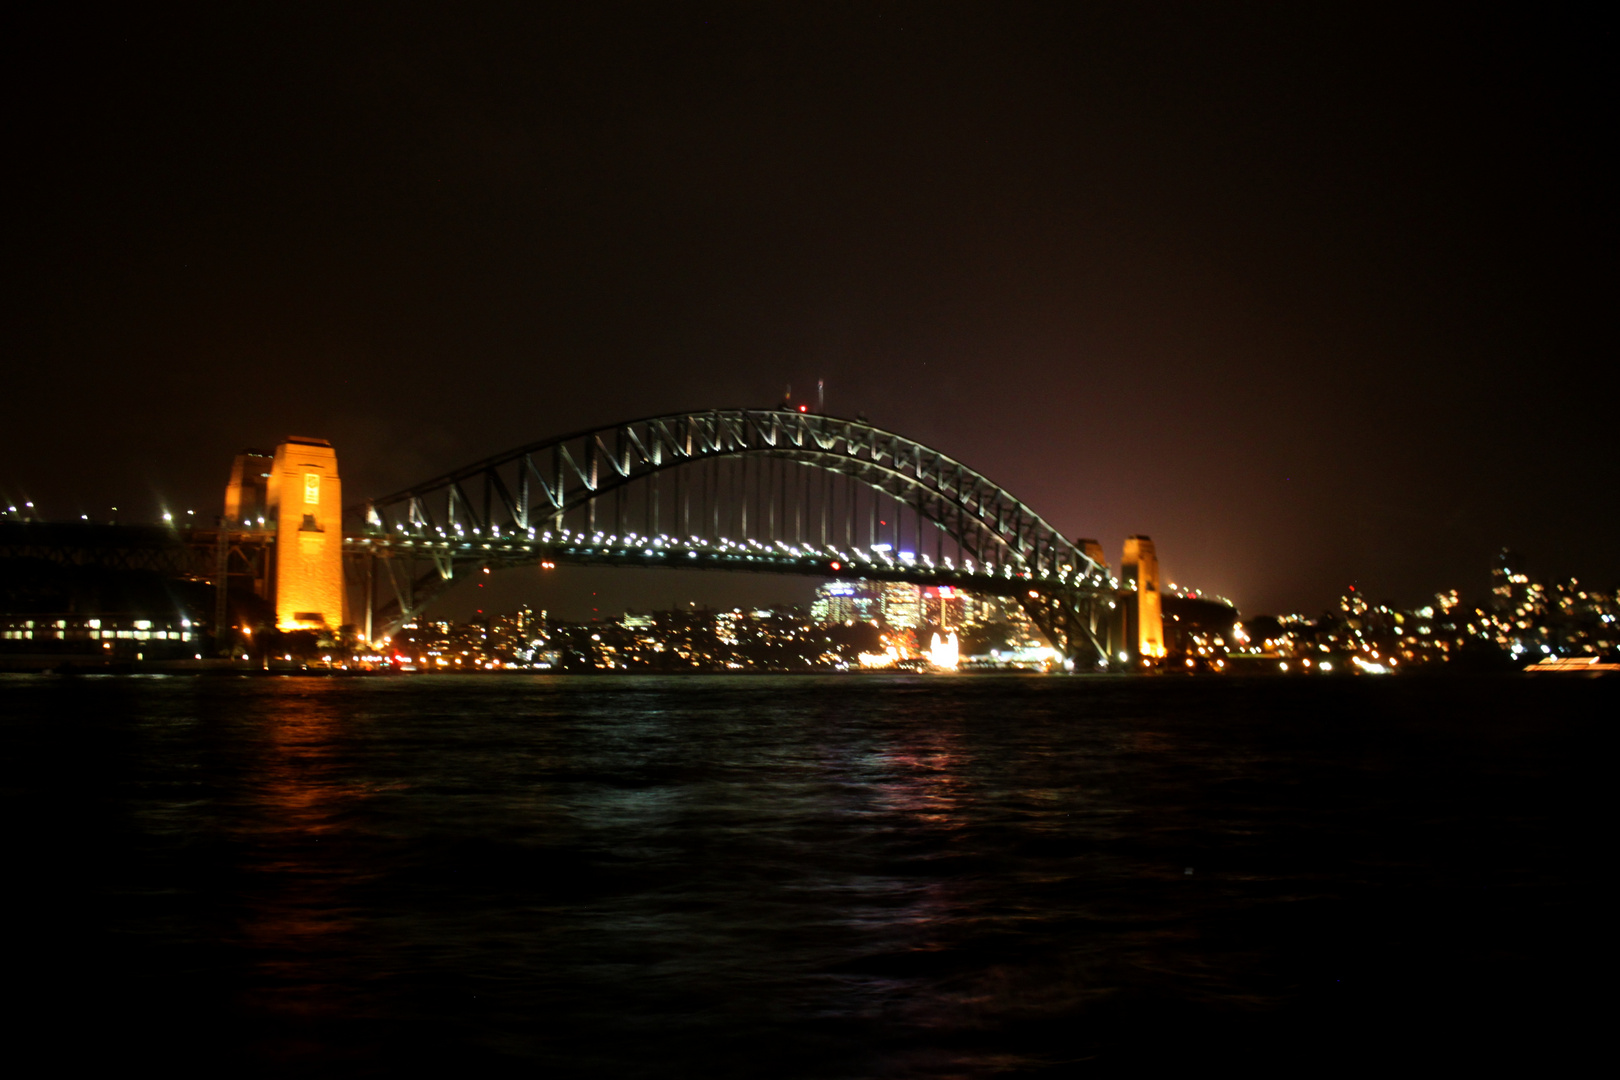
304	499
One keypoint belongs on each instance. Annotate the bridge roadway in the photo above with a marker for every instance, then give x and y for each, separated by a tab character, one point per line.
695	553
1068	603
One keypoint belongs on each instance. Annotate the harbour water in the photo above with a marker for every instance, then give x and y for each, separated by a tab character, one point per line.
802	876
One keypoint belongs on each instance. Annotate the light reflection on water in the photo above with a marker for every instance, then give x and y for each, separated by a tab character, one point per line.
837	877
297	793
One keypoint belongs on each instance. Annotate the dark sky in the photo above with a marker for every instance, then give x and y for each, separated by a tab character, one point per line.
1310	294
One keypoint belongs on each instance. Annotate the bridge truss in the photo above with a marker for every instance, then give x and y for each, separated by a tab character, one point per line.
738	489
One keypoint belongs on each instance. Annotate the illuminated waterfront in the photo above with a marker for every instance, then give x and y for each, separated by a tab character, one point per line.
802	876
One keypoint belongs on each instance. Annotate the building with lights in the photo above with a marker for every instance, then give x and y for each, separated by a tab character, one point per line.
834	603
944	607
115	636
902	606
844	602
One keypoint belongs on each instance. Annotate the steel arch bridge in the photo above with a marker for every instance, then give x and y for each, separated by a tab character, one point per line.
766	490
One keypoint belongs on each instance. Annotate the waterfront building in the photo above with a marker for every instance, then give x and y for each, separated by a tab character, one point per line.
117	636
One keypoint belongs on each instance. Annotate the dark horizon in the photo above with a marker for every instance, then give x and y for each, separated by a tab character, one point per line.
1311	297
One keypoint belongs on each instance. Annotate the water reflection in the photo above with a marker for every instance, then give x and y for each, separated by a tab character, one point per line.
924	779
302	794
801	877
302	787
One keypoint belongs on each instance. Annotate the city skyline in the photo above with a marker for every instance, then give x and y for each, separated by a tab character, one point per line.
1524	620
588	592
115	613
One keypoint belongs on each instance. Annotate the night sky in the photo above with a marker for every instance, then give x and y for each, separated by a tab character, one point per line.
1311	296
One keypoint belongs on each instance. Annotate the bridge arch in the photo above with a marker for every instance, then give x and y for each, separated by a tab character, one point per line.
626	494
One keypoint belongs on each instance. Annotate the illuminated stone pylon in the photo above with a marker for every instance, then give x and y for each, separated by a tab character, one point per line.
247	494
305	500
1139	577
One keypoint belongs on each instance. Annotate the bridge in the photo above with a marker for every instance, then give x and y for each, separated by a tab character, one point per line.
762	490
765	490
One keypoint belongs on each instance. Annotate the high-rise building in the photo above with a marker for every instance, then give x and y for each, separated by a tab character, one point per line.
834	604
839	602
944	606
305	499
902	605
867	603
1139	582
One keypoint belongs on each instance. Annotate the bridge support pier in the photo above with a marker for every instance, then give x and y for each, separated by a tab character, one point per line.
1076	625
